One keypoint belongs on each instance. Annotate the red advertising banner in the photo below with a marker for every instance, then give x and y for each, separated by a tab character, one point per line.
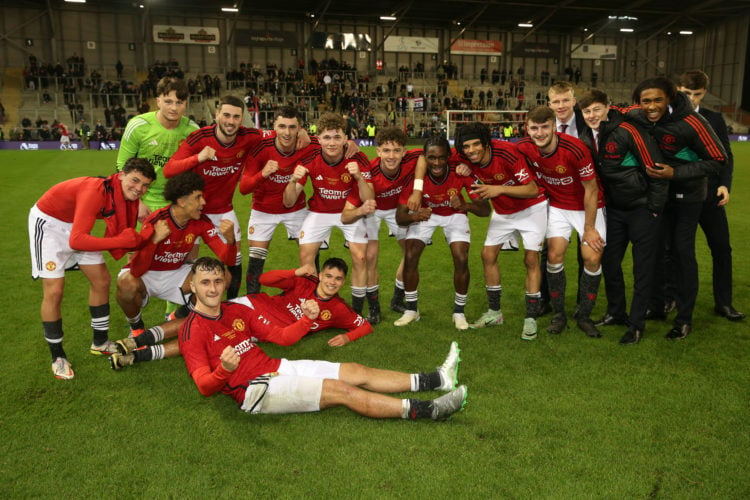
477	47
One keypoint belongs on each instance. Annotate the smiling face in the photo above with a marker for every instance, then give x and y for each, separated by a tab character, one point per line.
476	152
654	103
332	144
391	154
595	114
562	104
331	280
286	133
543	135
134	185
437	161
171	109
228	121
208	287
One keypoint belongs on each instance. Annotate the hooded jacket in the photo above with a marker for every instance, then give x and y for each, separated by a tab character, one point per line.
688	144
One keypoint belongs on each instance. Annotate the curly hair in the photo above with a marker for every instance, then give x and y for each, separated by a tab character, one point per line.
391	134
331	121
659	82
182	185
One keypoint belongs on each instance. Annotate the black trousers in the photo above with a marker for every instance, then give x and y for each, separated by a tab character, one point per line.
641	229
713	221
681	224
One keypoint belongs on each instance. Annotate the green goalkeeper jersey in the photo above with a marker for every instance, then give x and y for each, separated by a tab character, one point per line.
145	137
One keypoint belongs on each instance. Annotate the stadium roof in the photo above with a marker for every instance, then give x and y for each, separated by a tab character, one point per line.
565	16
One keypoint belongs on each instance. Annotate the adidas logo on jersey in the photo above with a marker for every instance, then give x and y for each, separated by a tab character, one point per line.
216	338
319	178
153	143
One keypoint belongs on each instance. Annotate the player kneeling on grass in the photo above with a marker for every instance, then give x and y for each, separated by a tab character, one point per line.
159	268
442	206
298	287
220	353
60	225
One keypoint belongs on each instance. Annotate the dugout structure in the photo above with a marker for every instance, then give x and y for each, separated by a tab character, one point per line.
496	120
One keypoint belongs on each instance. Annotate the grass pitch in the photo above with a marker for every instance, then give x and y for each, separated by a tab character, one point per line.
560	417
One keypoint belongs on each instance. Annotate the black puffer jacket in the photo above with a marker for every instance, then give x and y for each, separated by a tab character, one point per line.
623	151
688	144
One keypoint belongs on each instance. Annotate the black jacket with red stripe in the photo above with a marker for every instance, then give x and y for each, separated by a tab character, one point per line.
621	155
688	144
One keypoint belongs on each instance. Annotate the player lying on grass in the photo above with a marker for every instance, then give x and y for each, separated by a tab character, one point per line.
60	238
218	339
298	287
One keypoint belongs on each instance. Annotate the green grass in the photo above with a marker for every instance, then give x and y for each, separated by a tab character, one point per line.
561	417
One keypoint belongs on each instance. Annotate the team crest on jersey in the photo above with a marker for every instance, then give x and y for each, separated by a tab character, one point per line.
238	325
346	178
560	169
241	154
325	314
51	266
302	235
499	177
251	230
668	139
452	192
610	147
189	238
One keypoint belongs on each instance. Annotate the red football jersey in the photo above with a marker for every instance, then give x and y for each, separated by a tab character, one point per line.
285	308
202	340
437	193
507	167
268	193
332	184
221	173
562	171
388	189
170	253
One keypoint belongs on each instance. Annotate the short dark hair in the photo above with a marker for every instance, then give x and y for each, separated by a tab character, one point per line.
232	101
141	165
472	130
660	82
208	264
335	263
694	79
391	134
437	140
540	114
182	185
170	83
287	112
592	96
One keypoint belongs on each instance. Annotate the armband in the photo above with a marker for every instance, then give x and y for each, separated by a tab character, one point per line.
418	184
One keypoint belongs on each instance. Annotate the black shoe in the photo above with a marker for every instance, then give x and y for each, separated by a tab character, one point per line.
730	313
545	309
609	320
678	332
557	324
398	305
588	328
632	336
374	317
654	314
670	306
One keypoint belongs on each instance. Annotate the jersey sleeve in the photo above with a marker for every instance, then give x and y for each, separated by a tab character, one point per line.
281	278
184	159
208	381
285	336
225	252
252	175
88	205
